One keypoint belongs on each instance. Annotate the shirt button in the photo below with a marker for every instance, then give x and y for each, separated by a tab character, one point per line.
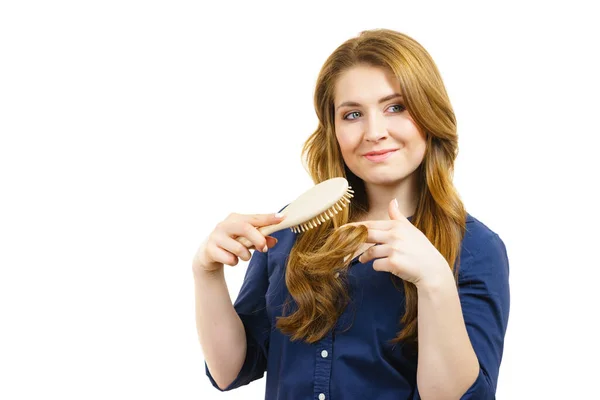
324	354
322	396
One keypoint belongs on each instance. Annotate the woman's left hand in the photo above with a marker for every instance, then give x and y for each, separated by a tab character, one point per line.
403	249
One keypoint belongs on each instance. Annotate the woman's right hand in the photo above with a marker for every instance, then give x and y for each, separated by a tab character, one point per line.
221	246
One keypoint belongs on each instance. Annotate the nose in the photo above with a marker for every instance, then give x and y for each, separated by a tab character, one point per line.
375	128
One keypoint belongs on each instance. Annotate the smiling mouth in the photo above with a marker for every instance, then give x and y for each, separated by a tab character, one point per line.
379	157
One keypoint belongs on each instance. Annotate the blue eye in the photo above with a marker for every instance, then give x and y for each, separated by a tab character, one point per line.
354	113
398	108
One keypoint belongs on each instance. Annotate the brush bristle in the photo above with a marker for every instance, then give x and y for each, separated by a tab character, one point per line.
327	214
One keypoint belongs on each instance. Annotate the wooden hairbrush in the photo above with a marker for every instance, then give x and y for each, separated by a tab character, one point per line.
315	206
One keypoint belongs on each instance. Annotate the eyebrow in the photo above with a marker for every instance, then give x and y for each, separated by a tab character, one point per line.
382	100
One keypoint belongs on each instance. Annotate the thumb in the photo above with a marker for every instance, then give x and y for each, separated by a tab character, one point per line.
394	211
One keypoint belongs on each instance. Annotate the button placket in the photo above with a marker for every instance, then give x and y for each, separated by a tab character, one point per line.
322	377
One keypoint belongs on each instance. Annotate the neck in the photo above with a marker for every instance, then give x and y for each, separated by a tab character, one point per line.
380	197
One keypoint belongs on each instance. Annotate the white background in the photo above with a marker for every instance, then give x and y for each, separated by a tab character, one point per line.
130	128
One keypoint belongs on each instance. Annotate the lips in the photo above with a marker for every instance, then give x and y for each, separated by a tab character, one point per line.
377	156
378	152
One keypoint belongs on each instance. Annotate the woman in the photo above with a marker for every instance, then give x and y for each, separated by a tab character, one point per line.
404	295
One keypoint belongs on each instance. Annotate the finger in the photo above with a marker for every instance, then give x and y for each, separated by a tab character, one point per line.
271	241
245	229
224	257
394	211
385	265
234	247
260	220
381	237
377	251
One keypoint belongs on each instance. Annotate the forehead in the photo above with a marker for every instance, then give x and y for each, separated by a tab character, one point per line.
364	83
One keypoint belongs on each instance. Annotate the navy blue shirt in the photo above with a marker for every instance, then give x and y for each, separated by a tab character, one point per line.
359	363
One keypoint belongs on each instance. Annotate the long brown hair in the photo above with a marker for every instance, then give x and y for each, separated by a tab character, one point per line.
321	252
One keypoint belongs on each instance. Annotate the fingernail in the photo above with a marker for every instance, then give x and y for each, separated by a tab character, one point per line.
396	203
278	215
265	249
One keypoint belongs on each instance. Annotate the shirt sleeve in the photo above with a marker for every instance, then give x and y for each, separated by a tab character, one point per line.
250	305
484	293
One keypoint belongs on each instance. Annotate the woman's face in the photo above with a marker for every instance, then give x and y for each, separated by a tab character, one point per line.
370	117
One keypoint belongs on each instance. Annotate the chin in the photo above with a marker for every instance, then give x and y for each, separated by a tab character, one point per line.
383	179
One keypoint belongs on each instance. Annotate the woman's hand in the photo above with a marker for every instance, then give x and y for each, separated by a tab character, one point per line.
402	249
220	247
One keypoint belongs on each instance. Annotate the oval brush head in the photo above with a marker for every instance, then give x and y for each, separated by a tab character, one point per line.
315	206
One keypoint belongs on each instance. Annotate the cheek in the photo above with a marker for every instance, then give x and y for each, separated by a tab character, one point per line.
345	141
417	141
419	149
344	144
